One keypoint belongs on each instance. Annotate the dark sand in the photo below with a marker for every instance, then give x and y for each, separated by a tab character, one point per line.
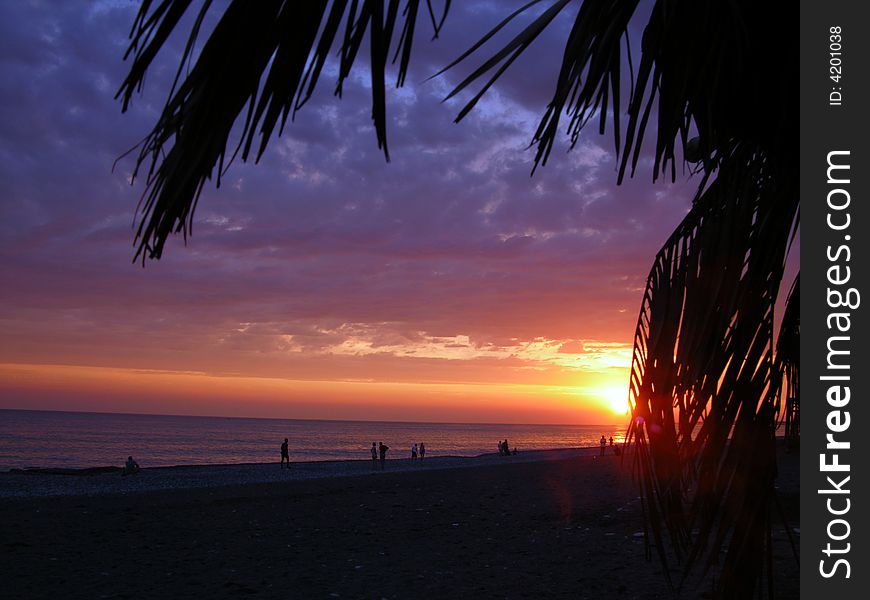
564	528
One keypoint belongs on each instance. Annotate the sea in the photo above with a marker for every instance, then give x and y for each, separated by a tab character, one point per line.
55	439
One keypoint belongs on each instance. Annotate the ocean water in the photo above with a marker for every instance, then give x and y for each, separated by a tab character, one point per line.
80	439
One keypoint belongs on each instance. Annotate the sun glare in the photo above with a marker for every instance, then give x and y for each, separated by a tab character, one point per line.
616	399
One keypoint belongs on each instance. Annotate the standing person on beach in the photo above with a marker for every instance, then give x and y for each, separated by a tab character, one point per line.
611	440
422	451
285	454
383	449
414	452
374	456
603	443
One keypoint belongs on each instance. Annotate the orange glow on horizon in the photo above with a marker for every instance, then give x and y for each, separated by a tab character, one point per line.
104	389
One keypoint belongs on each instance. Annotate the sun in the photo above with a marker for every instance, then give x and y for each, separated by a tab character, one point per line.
615	398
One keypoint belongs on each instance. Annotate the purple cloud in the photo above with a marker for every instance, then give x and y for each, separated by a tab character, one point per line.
450	250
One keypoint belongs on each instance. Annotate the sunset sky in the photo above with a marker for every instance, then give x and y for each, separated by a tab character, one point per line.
447	285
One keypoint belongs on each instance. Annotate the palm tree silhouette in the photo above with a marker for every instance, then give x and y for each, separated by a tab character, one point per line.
717	79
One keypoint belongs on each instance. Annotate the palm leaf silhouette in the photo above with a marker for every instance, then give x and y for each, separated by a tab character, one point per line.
706	381
789	357
284	44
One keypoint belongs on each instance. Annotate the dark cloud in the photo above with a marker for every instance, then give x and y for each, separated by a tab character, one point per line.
323	243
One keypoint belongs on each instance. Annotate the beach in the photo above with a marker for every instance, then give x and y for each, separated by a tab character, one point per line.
548	524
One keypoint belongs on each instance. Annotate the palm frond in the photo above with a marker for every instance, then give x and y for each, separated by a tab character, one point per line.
262	60
788	356
589	79
704	383
696	68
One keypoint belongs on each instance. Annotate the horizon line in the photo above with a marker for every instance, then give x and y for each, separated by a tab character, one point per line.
138	414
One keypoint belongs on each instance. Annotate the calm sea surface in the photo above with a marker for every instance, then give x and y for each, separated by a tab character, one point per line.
78	439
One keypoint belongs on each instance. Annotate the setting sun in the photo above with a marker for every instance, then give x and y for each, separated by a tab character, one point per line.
616	399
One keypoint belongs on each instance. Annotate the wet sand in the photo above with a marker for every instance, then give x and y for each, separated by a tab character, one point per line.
561	525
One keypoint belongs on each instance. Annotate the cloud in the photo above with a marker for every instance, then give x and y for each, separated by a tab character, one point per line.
449	263
572	347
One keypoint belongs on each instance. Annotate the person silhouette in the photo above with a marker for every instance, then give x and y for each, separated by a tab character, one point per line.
603	443
374	456
131	467
383	450
422	451
285	454
414	452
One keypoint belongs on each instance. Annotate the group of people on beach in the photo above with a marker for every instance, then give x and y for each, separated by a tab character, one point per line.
421	451
379	450
379	453
603	443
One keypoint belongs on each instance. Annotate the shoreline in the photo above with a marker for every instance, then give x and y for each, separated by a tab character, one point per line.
98	481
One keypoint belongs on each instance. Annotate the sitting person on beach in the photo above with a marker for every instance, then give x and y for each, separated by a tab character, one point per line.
131	467
514	450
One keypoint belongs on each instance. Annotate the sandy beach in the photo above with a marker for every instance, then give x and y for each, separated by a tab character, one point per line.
31	483
550	524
